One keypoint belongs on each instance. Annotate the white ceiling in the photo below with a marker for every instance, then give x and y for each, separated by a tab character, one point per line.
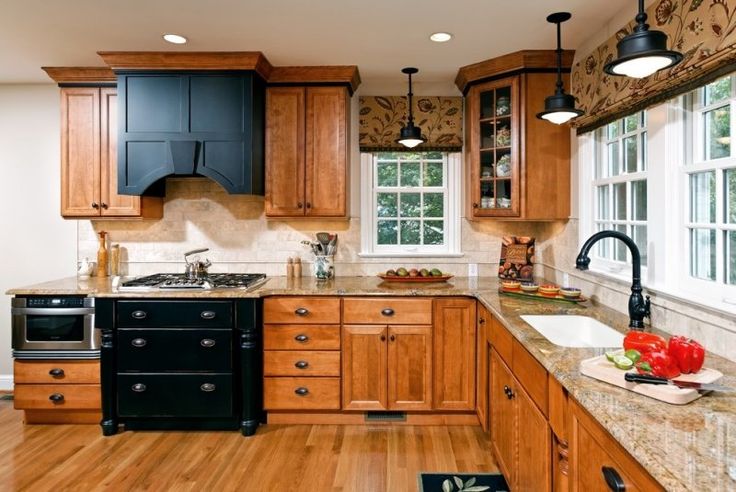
380	36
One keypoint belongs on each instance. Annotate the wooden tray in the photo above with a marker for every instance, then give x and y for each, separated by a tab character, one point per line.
396	278
537	295
602	369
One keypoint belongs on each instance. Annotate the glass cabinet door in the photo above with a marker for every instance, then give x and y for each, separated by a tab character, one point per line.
495	113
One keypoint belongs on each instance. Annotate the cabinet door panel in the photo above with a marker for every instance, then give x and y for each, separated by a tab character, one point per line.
534	445
410	367
481	385
216	103
326	152
454	354
503	421
285	151
364	371
112	204
155	103
80	152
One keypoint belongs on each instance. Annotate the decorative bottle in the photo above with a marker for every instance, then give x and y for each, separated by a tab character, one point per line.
102	255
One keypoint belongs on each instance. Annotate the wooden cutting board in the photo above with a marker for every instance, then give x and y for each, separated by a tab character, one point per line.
602	369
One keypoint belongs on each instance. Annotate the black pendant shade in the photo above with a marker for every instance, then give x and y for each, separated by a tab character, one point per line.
643	52
560	107
410	135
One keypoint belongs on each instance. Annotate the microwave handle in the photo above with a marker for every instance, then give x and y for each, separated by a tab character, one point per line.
52	311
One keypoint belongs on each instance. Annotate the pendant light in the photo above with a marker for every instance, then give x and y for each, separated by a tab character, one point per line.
643	52
410	135
560	107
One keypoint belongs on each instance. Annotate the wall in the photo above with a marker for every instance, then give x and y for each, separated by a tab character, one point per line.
38	244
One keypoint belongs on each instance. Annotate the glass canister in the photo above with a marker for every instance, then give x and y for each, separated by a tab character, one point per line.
323	267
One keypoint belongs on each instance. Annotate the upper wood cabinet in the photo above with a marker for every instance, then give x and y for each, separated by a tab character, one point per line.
89	159
454	353
307	151
517	166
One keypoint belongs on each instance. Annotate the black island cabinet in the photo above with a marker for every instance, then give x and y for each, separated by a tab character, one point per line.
188	364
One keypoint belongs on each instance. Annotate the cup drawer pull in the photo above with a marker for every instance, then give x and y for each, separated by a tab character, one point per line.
301	311
387	312
138	314
301	338
56	397
56	372
301	391
208	315
208	387
207	343
138	342
301	364
138	387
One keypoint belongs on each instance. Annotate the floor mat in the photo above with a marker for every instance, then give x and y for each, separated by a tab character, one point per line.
462	482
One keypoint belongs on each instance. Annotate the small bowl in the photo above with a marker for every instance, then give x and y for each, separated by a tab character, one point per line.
570	292
529	287
510	284
549	290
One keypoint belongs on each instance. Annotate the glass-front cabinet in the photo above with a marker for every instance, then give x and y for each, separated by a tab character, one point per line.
494	177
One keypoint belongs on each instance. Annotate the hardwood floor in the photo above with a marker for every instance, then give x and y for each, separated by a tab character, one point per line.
309	458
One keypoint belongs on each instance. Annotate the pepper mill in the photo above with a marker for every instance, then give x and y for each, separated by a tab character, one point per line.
102	255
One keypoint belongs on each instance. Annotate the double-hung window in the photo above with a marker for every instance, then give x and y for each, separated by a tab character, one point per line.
619	182
411	206
709	180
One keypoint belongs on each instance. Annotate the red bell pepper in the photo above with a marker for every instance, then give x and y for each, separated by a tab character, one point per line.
644	342
658	363
688	353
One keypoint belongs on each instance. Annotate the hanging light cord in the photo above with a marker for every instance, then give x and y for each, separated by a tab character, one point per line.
409	96
560	89
641	18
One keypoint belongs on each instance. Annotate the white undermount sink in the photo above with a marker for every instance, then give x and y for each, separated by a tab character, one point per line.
574	331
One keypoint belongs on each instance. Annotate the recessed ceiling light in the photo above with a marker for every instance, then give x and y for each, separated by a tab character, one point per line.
175	38
440	37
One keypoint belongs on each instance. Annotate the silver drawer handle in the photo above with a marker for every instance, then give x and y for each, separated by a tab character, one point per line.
138	342
207	387
301	364
138	314
208	314
301	391
301	311
138	387
207	342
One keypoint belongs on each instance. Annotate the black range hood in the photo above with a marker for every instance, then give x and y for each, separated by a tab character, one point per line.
176	123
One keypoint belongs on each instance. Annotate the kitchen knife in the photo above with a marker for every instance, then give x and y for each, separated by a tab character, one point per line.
643	378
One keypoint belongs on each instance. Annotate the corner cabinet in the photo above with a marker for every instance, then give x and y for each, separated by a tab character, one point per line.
89	159
518	167
307	152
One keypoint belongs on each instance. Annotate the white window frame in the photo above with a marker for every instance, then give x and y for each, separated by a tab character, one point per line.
712	292
597	151
453	196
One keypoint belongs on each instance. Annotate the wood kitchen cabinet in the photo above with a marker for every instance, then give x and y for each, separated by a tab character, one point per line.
518	166
599	463
482	364
454	353
89	159
307	151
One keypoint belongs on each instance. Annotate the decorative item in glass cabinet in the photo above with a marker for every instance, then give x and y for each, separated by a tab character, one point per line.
503	137
503	106
503	166
504	202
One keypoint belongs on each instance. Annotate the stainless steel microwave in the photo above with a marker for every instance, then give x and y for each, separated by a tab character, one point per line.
54	327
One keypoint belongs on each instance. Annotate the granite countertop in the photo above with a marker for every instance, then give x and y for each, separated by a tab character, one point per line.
689	447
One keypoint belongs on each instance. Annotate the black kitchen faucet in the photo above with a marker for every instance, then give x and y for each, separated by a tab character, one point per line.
638	307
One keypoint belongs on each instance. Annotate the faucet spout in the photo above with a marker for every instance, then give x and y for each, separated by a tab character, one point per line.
639	308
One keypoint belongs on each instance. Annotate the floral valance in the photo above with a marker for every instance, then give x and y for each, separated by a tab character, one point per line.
704	31
440	118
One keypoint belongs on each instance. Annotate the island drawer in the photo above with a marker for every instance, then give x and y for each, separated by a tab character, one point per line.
56	371
301	393
301	310
175	395
301	337
188	350
388	310
57	397
301	363
174	314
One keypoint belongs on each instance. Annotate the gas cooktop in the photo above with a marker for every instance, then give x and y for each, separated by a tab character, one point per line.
179	281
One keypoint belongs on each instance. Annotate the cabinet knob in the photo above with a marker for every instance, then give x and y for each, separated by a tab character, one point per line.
301	338
301	311
301	364
95	205
299	205
138	314
301	391
208	315
383	338
207	343
392	338
387	312
138	342
475	205
104	205
509	392
56	372
482	321
138	387
56	397
208	387
613	479
309	205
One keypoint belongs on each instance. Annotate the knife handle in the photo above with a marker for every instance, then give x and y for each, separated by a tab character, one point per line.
633	377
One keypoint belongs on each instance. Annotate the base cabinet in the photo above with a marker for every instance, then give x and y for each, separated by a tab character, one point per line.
454	353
